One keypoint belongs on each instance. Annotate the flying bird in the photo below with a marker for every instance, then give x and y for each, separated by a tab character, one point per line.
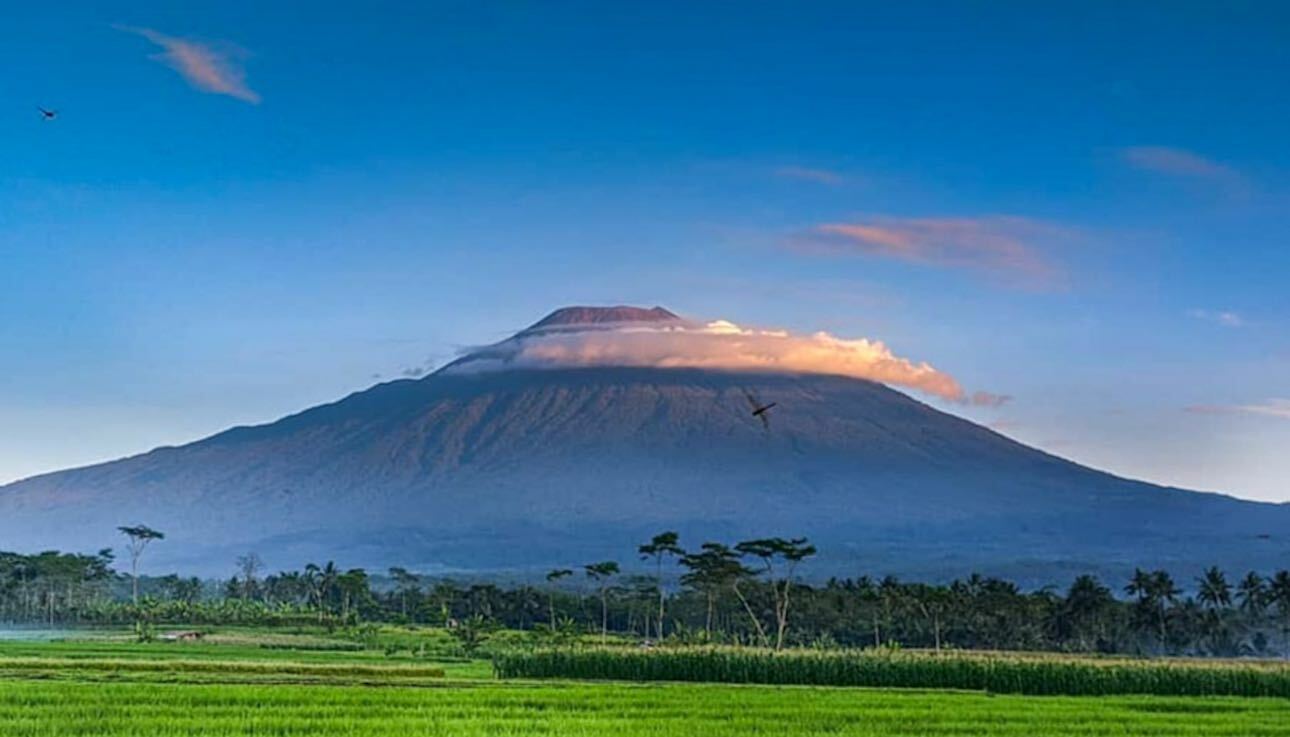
47	114
759	410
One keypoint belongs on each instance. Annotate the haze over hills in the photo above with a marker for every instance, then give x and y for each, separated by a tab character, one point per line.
504	460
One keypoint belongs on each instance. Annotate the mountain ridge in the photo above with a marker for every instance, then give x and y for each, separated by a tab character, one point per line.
516	469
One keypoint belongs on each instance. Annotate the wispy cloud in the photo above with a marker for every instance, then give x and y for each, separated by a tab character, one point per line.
1271	408
1179	162
809	174
987	399
211	68
720	345
1005	247
1226	318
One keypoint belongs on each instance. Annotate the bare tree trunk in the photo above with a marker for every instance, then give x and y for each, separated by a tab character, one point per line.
604	617
707	625
761	631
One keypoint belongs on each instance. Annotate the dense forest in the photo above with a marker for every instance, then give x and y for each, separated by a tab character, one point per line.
751	592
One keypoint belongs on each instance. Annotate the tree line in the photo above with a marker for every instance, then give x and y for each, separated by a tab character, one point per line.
748	592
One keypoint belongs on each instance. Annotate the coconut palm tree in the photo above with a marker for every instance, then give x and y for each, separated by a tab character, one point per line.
1083	613
1213	590
1252	595
1279	596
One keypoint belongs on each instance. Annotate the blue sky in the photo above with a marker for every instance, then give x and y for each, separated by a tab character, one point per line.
240	212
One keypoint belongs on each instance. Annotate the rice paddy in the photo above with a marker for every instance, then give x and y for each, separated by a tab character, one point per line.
233	686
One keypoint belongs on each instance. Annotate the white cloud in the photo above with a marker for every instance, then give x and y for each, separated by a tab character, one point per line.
721	345
1279	408
1226	318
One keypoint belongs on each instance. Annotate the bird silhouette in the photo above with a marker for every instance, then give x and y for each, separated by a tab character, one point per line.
759	410
47	114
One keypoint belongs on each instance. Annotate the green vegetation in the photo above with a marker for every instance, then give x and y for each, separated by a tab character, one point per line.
242	681
995	673
39	709
748	593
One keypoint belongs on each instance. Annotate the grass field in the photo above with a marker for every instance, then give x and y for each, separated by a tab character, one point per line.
242	684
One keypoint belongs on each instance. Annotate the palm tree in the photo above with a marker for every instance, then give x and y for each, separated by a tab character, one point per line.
1213	589
321	582
659	547
601	573
1085	608
1252	593
1165	593
1215	595
1154	591
1279	596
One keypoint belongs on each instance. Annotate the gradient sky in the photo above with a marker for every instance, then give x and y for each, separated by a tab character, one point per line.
242	210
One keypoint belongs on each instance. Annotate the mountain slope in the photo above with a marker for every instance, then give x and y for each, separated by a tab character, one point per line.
525	468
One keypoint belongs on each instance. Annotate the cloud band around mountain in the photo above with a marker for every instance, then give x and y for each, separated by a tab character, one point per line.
721	345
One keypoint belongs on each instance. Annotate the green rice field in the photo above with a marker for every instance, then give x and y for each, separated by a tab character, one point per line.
238	686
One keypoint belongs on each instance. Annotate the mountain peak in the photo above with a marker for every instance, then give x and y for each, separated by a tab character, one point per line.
566	317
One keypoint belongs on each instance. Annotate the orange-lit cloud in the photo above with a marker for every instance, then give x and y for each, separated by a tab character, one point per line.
210	69
1180	163
810	174
1002	246
722	345
1271	408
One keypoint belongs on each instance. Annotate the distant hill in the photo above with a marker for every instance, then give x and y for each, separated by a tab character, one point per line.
521	469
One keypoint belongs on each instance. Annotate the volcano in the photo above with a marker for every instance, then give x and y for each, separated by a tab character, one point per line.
519	468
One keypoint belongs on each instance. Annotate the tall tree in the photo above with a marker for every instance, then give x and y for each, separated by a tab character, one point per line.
710	571
354	591
552	577
140	536
405	582
249	566
601	573
790	553
659	547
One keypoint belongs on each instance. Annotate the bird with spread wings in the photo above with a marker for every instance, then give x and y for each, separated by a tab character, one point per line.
759	410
